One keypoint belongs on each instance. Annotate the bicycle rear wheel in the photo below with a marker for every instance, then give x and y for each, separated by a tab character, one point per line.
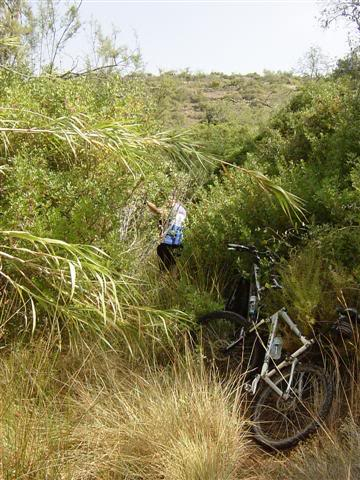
225	342
280	423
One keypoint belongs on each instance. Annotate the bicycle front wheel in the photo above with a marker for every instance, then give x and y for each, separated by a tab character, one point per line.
225	342
280	423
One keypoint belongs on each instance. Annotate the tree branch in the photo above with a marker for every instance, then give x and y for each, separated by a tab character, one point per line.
66	29
70	73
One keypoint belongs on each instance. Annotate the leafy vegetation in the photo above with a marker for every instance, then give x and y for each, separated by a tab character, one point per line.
272	160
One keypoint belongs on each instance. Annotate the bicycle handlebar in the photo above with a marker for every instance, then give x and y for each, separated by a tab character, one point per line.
252	250
241	248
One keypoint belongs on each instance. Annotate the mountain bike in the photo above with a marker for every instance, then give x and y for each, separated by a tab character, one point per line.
290	398
223	336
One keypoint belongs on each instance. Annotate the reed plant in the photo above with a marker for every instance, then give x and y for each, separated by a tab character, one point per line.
71	291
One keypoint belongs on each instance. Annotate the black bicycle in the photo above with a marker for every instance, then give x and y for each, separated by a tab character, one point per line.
291	398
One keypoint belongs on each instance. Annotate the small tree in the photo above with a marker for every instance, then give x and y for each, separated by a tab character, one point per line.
54	28
349	65
314	63
108	53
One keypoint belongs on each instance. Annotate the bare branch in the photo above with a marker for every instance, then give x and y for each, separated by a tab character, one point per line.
349	10
66	29
72	73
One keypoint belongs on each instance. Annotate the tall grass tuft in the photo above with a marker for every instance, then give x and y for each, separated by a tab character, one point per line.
34	439
178	424
94	415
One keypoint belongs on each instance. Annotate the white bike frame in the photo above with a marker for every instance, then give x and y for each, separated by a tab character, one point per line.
292	359
254	298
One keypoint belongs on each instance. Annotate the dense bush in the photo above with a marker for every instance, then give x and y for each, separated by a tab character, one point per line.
96	155
310	148
79	158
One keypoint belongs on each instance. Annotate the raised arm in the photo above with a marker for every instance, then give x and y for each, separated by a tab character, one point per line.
154	208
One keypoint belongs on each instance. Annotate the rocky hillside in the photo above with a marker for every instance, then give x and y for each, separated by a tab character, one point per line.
185	99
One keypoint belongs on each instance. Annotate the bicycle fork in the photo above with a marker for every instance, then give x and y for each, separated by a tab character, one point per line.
237	341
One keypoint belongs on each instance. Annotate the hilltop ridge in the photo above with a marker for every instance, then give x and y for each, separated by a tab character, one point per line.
185	99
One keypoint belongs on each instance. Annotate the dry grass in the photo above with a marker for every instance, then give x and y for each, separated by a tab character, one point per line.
101	418
173	424
33	431
328	458
94	415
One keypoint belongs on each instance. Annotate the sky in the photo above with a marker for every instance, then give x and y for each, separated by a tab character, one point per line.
234	36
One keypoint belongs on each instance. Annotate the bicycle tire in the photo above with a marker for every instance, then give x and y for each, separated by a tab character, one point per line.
280	424
218	330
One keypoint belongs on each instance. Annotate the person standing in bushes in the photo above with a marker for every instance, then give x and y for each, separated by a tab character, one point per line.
171	224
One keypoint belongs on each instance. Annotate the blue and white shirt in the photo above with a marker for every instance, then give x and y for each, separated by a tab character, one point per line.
173	234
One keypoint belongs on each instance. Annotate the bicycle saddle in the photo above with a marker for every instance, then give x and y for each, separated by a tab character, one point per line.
344	325
348	314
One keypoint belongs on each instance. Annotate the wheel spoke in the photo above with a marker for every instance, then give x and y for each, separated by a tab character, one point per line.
280	422
225	344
